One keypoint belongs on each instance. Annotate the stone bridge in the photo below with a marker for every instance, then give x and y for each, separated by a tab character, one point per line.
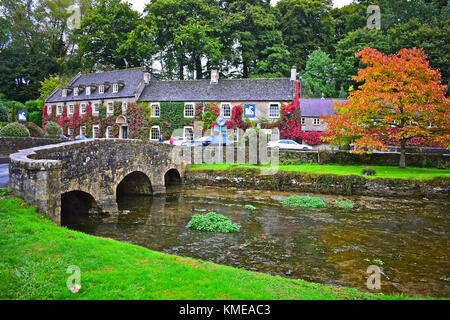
91	173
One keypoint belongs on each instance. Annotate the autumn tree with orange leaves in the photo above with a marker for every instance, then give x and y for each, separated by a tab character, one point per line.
400	97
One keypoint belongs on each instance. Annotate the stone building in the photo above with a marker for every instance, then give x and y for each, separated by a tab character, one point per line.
312	109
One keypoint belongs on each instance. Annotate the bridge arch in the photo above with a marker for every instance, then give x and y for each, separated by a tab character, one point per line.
135	182
172	177
76	203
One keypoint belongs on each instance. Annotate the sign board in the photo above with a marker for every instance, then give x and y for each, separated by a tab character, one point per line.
22	116
220	120
249	110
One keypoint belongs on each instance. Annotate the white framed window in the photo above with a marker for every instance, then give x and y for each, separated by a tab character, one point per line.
124	107
154	133
225	110
101	89
188	133
71	109
108	132
59	110
316	121
189	110
110	109
83	130
64	92
69	131
75	91
274	110
83	108
95	131
49	110
303	120
156	110
88	90
96	108
115	88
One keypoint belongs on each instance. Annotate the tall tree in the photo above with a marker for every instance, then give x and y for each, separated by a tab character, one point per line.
401	98
319	75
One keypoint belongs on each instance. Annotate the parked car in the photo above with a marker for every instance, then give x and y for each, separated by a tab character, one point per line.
177	141
80	137
208	140
63	137
288	145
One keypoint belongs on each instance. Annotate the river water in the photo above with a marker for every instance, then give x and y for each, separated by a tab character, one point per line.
407	238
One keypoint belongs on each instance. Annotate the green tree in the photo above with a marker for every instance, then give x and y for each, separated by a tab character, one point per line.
49	84
306	25
3	113
319	76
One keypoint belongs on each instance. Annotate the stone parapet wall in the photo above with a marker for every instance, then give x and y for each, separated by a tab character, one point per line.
9	145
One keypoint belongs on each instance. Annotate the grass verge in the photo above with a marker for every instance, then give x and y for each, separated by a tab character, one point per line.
35	254
314	168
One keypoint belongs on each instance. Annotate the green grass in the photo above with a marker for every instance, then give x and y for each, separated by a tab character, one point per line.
212	222
344	204
304	202
249	207
35	255
313	168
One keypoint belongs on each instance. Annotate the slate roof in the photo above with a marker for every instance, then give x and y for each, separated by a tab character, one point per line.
276	89
131	78
317	107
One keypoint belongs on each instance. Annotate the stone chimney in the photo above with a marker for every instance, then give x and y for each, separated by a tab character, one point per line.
293	73
214	74
147	77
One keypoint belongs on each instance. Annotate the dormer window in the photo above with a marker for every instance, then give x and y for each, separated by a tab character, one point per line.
64	92
88	90
101	88
115	87
75	92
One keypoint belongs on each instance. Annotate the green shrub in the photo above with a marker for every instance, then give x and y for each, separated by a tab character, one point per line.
36	118
344	205
304	202
53	129
212	222
3	113
35	131
368	172
34	105
249	207
14	129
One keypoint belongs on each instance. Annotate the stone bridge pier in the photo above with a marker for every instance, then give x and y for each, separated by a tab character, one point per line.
92	173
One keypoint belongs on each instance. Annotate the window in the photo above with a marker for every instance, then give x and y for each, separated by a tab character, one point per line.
316	121
83	130
189	110
110	109
155	110
95	131
59	110
101	88
49	110
189	133
64	92
115	87
96	108
274	110
124	107
303	120
69	131
71	109
88	90
108	132
83	108
154	133
226	110
75	92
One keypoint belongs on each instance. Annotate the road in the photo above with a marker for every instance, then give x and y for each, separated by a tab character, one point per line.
3	175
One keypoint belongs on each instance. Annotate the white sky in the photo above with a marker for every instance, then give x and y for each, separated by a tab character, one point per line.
140	4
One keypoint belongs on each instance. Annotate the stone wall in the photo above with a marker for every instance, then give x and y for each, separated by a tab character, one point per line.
327	184
9	145
41	175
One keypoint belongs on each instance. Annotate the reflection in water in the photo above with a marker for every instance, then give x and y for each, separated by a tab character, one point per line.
330	246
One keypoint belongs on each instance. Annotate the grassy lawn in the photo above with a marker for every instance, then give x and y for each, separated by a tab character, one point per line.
314	168
35	254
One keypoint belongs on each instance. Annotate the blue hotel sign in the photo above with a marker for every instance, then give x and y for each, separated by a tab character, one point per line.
249	110
22	116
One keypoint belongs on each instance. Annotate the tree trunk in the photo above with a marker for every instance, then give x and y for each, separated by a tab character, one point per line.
198	67
402	153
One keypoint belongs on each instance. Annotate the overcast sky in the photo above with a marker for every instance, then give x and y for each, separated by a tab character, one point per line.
140	4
